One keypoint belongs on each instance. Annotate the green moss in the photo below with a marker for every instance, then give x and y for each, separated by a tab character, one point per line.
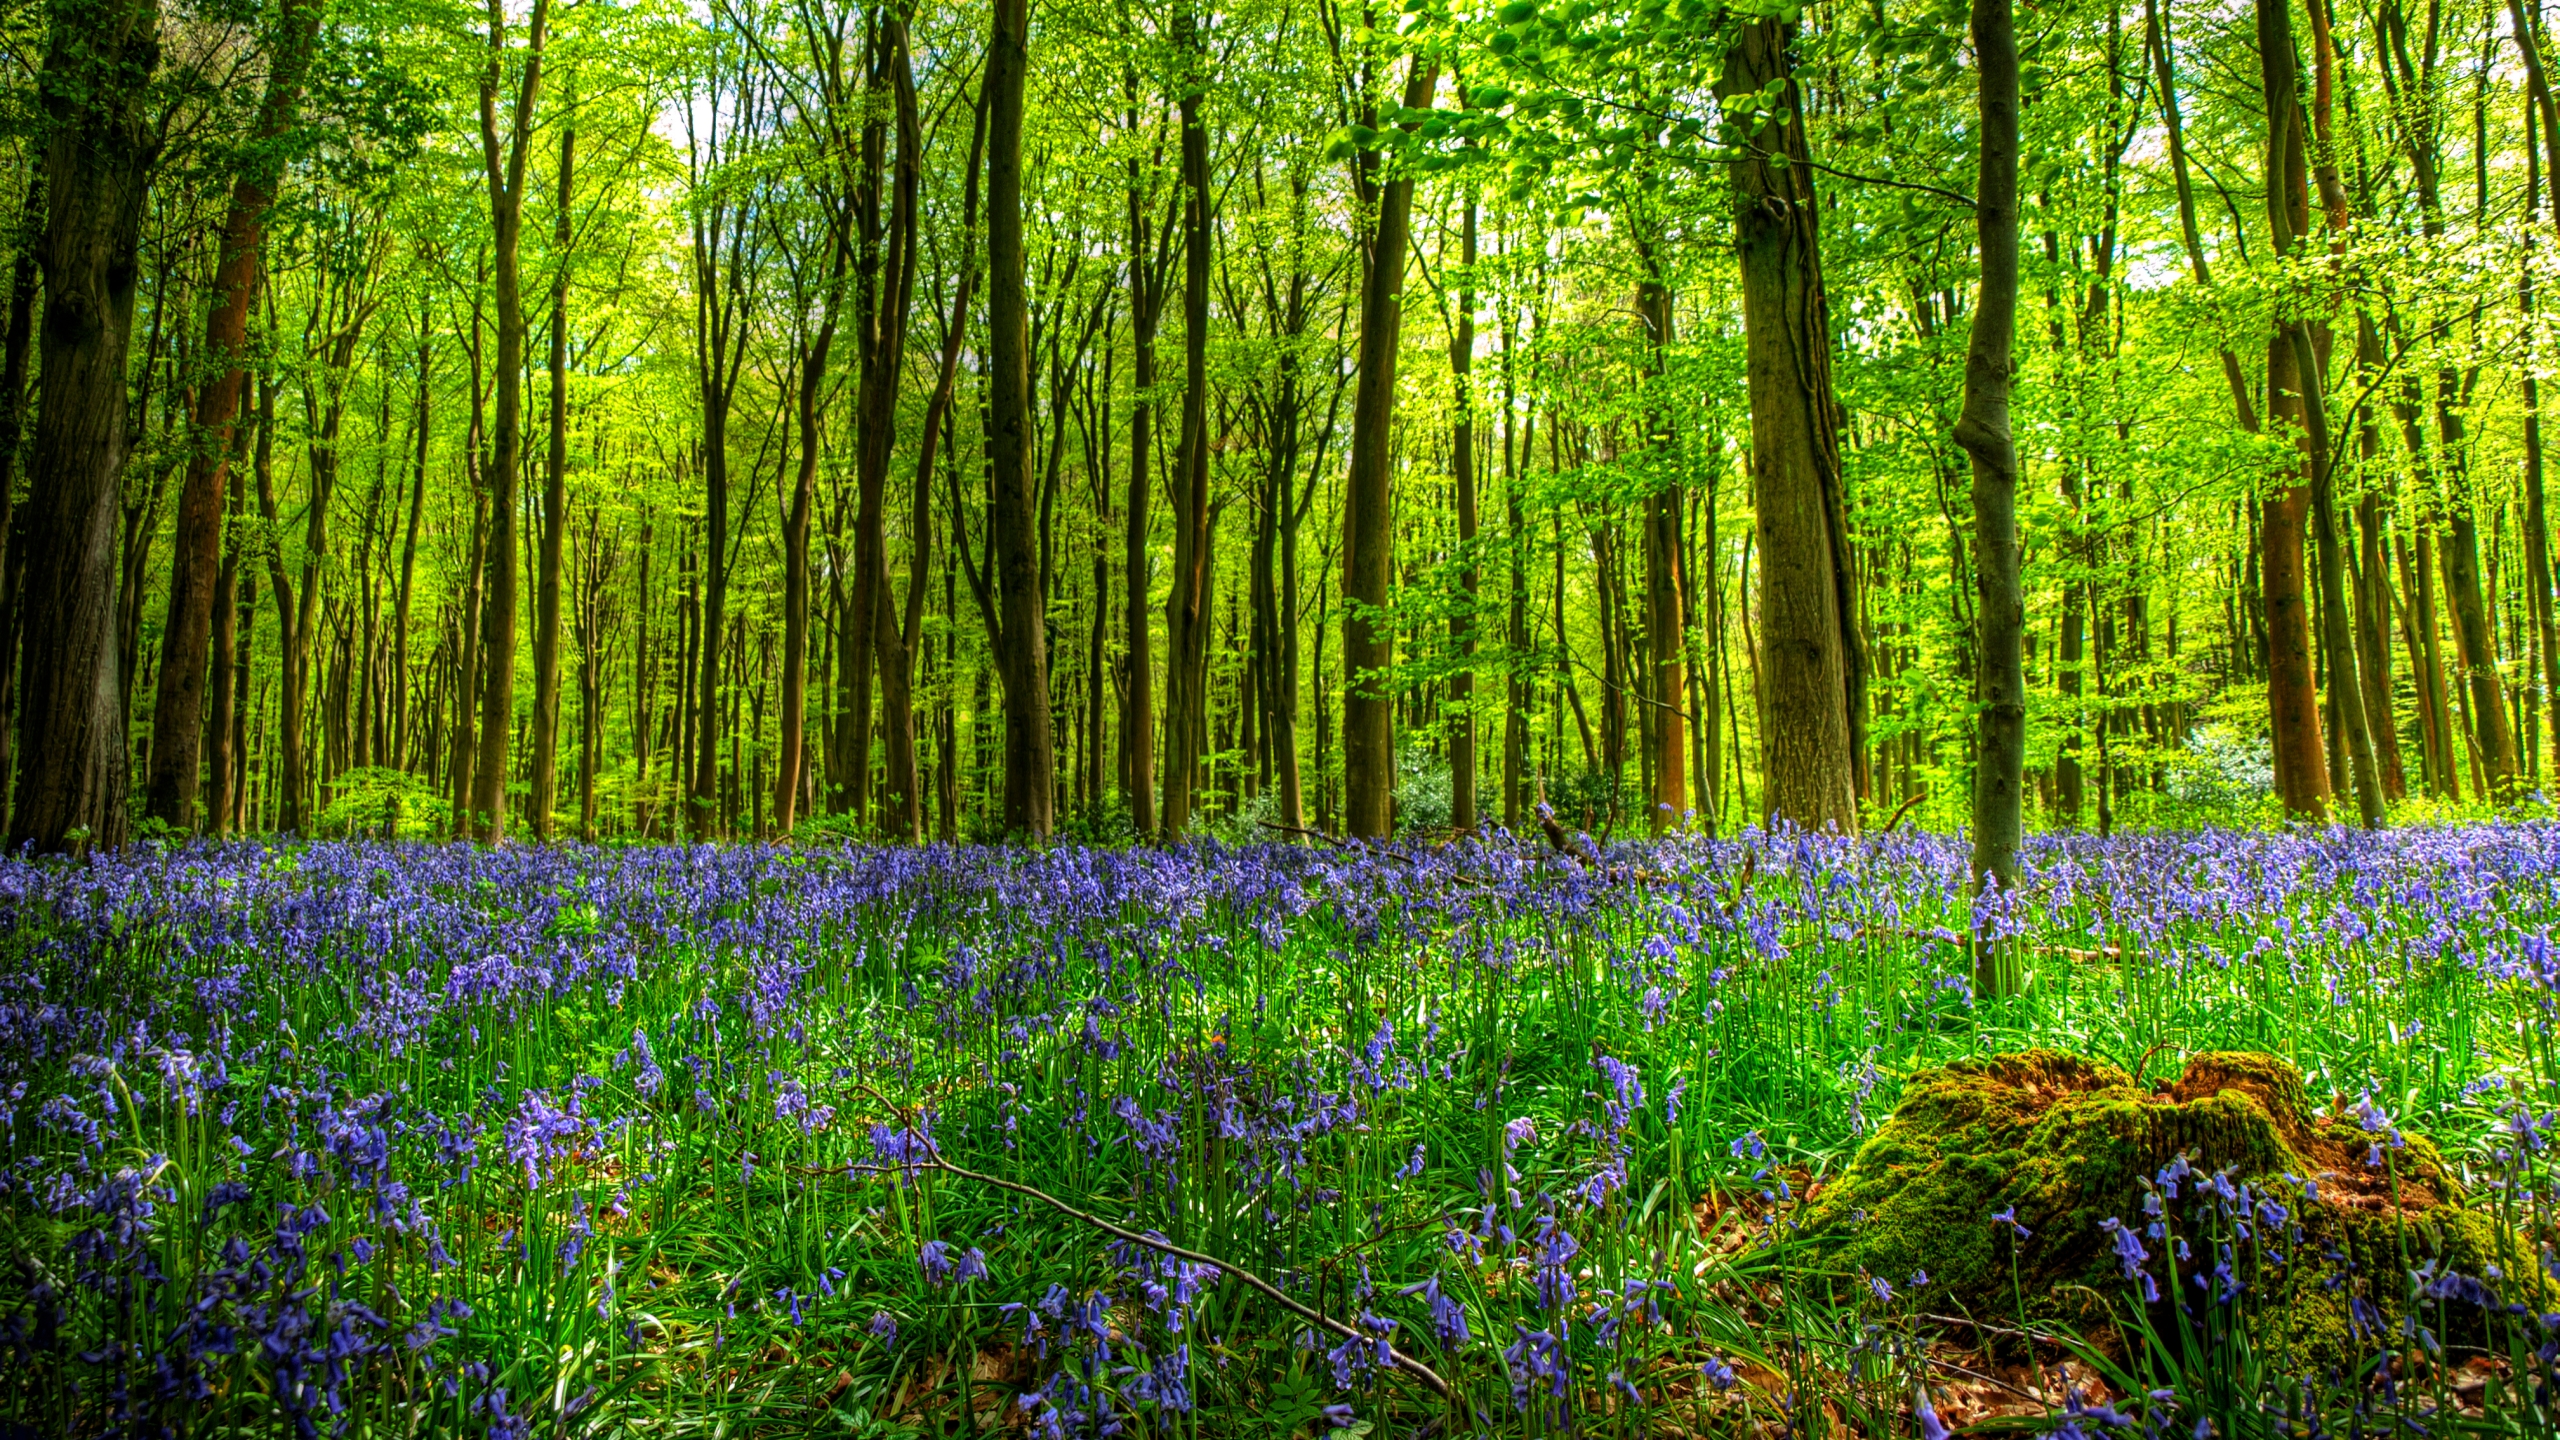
2066	1142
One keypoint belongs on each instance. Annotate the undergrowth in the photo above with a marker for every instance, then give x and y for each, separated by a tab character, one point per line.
379	1139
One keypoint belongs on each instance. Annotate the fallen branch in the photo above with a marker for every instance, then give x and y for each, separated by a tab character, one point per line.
1299	830
1993	1380
1429	1377
1916	797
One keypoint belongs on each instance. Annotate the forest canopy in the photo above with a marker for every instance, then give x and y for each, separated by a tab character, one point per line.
1134	418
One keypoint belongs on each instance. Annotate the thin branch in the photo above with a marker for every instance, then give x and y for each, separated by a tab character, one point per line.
1429	1377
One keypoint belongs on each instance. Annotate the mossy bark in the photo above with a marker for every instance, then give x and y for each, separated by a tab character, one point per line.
2066	1143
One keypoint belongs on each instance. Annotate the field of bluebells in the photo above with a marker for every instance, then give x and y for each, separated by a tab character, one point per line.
1477	1140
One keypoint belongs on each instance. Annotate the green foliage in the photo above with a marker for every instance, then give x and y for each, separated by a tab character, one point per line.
1423	797
387	804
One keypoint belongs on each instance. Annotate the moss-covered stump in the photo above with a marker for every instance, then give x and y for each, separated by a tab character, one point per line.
2066	1144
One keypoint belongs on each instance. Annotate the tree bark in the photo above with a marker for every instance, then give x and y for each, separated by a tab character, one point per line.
884	274
900	647
1812	671
814	354
2537	536
2288	220
177	712
503	161
1666	622
2000	743
1186	606
400	608
1462	476
221	757
1368	514
1022	651
100	144
723	248
2293	702
1146	306
544	795
2174	130
466	637
16	349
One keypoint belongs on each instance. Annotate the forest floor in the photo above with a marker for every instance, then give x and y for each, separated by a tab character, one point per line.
1446	1140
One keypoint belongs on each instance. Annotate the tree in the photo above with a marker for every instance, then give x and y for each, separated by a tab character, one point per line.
503	164
99	144
178	702
1368	525
726	262
822	120
2000	700
1186	614
1030	768
544	797
1812	671
1462	476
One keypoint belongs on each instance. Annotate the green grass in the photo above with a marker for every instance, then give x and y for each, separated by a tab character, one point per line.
709	1256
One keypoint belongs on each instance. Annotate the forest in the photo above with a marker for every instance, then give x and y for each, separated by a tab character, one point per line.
1506	719
733	421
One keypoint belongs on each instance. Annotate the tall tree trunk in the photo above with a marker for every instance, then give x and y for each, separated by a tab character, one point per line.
1665	690
1023	661
100	143
401	720
900	647
503	160
2413	78
2293	703
2373	599
883	280
1146	305
795	531
1280	676
2289	222
2000	743
1368	503
544	795
2538	579
1186	606
221	757
2459	548
723	255
16	348
1462	475
1812	672
465	694
1515	722
177	712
